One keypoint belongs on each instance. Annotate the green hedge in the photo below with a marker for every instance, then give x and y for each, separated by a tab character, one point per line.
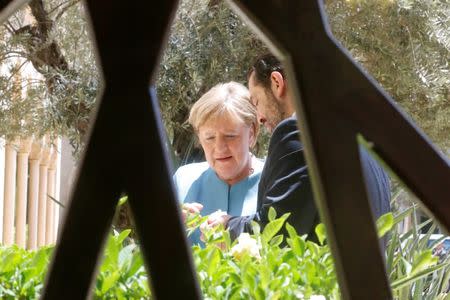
264	265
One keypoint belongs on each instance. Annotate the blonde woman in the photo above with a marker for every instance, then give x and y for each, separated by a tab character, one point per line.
226	125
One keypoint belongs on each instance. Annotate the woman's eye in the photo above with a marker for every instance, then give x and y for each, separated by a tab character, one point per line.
209	138
230	136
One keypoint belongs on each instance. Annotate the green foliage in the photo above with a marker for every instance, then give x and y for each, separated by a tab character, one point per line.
265	265
414	272
122	273
22	272
48	78
257	267
405	46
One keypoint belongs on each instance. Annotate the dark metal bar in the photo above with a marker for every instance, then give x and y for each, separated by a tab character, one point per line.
156	210
88	217
8	7
125	152
409	153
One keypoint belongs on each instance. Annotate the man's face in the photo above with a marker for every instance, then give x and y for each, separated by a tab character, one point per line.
268	107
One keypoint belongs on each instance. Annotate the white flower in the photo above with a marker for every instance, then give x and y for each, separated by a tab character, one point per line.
246	244
317	297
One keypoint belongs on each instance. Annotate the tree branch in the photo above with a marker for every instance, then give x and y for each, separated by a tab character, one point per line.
9	27
45	24
52	10
16	70
65	8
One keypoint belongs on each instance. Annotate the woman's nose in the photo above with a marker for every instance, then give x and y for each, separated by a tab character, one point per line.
221	143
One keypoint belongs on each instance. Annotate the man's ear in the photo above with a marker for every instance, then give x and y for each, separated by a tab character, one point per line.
278	84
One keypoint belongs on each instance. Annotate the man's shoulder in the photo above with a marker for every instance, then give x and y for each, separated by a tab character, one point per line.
285	138
287	125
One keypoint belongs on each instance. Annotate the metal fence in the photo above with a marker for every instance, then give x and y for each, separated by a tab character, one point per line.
335	101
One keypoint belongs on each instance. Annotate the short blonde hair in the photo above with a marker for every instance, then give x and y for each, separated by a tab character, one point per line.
230	98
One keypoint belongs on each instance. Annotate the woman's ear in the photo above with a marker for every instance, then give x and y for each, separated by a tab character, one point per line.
278	84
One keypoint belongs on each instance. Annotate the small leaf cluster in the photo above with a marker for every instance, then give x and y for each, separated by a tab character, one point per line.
22	272
122	273
413	270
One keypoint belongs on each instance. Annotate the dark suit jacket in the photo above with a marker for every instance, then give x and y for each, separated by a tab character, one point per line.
285	185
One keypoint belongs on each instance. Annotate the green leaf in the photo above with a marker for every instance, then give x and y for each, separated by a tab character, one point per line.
384	224
314	249
272	214
277	240
259	293
10	259
109	281
406	265
291	231
400	283
122	236
423	261
136	264
394	244
273	227
122	200
213	259
256	228
321	233
227	239
298	245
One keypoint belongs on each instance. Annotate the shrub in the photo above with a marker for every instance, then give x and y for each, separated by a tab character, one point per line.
263	265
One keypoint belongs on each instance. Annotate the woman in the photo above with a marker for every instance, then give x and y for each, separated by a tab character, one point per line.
226	125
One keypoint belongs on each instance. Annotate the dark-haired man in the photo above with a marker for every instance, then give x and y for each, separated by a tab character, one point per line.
285	184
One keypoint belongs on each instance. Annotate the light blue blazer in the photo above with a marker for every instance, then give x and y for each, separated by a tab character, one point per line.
197	182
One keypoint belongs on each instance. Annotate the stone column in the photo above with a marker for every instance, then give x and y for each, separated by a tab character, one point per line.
22	185
57	189
33	195
2	184
42	207
51	188
9	192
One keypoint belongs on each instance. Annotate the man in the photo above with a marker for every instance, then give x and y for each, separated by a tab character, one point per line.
285	184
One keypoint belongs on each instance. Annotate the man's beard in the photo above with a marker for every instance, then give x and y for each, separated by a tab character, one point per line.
277	112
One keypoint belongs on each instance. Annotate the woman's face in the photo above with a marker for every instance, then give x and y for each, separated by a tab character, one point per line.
226	142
